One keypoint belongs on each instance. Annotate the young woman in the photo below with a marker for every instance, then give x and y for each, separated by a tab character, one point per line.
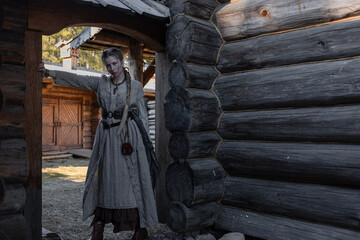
118	187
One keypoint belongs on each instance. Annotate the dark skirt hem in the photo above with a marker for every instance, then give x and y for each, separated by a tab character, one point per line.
122	219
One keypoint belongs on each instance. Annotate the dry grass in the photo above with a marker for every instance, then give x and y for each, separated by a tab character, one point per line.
71	173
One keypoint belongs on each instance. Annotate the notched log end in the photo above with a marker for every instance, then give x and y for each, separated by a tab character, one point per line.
179	182
179	146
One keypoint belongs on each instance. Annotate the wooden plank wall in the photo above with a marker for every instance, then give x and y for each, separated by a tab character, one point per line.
90	112
17	157
285	135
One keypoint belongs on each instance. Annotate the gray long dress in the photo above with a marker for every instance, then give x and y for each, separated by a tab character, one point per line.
113	180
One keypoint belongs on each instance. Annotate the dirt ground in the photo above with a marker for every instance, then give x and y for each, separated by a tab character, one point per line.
63	181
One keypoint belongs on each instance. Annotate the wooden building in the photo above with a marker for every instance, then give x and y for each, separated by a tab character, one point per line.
261	106
22	24
263	111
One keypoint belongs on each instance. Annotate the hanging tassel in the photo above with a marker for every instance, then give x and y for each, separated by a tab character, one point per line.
124	118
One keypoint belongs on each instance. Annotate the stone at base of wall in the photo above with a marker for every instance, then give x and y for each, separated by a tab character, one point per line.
47	235
233	236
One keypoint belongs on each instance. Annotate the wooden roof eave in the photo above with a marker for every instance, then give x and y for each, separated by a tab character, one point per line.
50	16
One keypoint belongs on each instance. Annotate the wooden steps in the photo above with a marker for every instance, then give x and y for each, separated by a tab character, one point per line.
55	155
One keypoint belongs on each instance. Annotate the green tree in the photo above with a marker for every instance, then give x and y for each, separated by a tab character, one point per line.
87	59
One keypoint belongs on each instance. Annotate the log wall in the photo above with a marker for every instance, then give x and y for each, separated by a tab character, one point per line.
275	109
17	157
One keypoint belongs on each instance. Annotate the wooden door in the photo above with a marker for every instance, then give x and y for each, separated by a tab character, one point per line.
61	124
49	123
69	131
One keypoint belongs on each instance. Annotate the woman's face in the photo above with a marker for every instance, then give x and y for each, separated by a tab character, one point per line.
113	66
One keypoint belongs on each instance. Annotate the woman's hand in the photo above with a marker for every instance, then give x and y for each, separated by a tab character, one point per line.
41	68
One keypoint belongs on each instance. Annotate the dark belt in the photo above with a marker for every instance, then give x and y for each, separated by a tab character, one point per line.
115	114
107	125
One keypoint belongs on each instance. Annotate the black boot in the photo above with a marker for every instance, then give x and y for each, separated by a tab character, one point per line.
98	231
140	233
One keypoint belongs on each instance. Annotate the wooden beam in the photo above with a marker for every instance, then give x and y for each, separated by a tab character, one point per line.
247	18
275	227
328	124
317	44
324	83
53	16
310	202
12	83
149	72
33	111
14	200
135	61
109	37
13	160
2	190
162	135
318	163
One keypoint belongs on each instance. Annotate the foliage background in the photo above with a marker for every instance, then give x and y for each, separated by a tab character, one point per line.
87	59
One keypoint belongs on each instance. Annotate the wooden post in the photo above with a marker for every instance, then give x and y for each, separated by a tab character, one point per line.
136	60
162	135
149	73
33	206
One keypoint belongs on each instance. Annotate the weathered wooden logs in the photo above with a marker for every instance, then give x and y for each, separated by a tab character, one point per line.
14	200
197	145
318	203
1	16
278	228
330	124
192	40
11	46
2	190
13	160
183	219
13	227
1	101
191	110
12	121
323	83
191	76
322	163
195	181
201	9
13	15
13	22
12	82
317	43
247	18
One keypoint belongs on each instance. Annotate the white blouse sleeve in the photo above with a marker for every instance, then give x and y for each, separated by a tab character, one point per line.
74	80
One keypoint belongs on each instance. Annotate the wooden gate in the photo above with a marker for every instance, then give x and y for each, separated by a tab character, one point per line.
61	124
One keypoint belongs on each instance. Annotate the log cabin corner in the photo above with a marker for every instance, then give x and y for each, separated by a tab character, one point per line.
257	108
